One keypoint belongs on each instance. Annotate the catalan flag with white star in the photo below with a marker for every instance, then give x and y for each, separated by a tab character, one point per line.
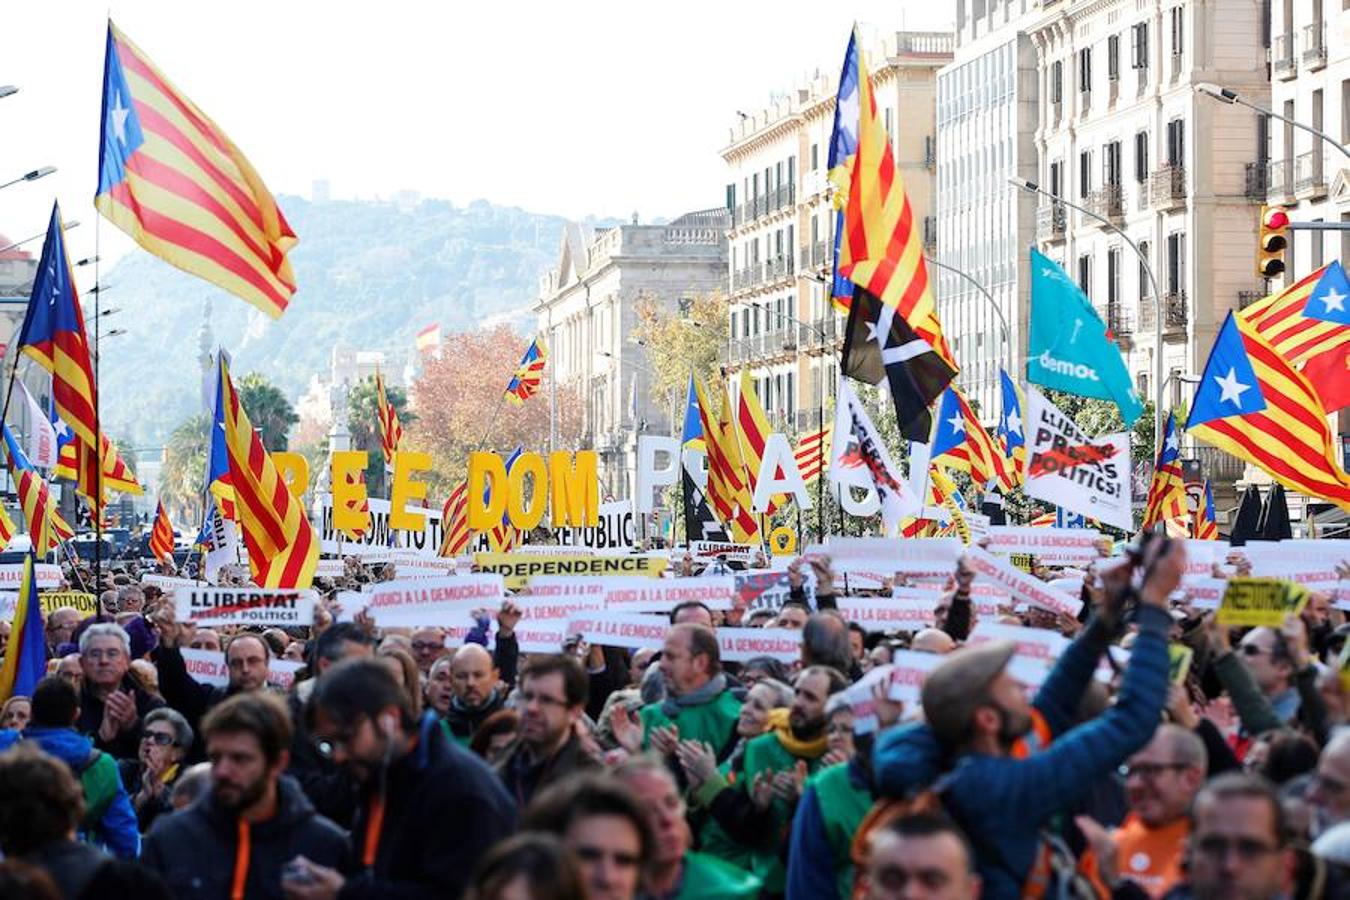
1010	434
1253	403
961	442
529	374
172	180
46	528
1308	323
1167	491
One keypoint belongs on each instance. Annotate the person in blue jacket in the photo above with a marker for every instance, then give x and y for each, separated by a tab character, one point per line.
977	716
109	819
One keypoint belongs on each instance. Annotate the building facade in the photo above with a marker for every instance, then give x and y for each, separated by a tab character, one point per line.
586	312
1122	131
781	325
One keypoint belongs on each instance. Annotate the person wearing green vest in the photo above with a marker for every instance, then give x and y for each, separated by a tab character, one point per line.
675	872
756	812
699	705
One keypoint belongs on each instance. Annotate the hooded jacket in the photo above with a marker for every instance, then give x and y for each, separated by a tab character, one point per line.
116	826
198	850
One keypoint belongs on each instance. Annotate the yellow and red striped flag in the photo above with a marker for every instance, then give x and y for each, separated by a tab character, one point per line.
753	430
811	452
881	248
7	528
1167	491
727	492
1044	520
455	521
1308	323
283	550
524	384
75	463
161	535
1254	404
170	178
1206	519
391	432
961	442
361	507
428	339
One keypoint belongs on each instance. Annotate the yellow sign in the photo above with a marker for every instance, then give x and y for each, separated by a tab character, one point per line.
85	604
783	541
570	484
1260	601
1344	664
517	569
1023	561
1179	662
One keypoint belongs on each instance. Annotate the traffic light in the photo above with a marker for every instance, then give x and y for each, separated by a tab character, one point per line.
1272	242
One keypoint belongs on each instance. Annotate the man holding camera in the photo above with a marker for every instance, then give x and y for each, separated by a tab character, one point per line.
978	718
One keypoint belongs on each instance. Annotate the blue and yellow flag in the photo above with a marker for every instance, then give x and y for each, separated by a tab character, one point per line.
692	435
26	655
525	383
1011	430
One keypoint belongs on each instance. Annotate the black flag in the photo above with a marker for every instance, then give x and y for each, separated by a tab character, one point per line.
879	345
699	522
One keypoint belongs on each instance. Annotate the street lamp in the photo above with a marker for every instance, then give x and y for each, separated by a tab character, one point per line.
73	223
1225	95
40	172
1032	188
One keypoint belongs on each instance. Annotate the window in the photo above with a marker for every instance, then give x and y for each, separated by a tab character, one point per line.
1139	46
1176	263
1085	273
1057	178
792	177
731	198
1085	70
1112	281
1057	81
1084	173
1178	29
1141	157
1113	58
1144	285
815	157
1176	142
1111	164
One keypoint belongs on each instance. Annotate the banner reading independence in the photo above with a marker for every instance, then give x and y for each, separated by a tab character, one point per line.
517	569
210	606
1067	467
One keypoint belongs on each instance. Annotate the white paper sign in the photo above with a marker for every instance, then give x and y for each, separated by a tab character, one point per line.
890	613
743	644
1032	643
46	575
913	556
209	605
376	541
1067	467
327	568
860	697
1022	586
1076	545
444	601
208	667
637	594
615	629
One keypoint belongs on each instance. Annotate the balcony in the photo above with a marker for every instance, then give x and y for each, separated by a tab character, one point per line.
1120	324
1279	180
930	153
820	253
1282	61
1108	202
1257	181
779	267
1174	315
1310	179
1314	46
930	235
1084	103
1167	186
784	196
1051	222
1246	298
1217	465
822	334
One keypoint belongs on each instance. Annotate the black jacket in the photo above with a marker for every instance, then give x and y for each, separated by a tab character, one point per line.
186	694
523	778
328	788
126	745
195	850
133	772
443	809
463	722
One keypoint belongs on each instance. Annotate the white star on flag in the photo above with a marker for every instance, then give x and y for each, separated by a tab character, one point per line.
1014	423
1231	389
1171	443
1333	301
958	424
119	119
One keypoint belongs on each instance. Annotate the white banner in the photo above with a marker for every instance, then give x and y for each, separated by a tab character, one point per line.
565	588
168	583
1022	586
708	551
1067	467
885	613
915	556
613	629
46	575
616	530
1201	557
638	594
1032	643
329	568
544	617
1301	551
209	606
1076	545
743	644
411	603
376	541
859	696
208	667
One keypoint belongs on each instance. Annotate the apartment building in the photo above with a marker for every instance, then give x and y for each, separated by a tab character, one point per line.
780	323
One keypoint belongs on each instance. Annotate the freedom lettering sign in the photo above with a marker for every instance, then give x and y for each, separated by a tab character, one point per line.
517	569
207	605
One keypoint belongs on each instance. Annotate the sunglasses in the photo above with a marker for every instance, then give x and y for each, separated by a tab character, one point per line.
158	738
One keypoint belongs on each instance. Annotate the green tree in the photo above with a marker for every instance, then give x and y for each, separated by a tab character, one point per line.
678	341
183	475
268	409
363	421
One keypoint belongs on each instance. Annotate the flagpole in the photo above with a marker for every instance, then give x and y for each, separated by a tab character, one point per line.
98	432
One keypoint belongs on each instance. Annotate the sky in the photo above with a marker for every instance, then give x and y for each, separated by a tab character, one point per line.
590	107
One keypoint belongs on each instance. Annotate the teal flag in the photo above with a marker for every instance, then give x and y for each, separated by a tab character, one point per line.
1068	348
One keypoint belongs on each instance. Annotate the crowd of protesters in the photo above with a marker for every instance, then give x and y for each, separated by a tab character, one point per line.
399	766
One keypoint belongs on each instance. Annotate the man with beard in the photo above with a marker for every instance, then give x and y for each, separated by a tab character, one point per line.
428	809
476	692
551	699
698	706
976	711
790	748
236	841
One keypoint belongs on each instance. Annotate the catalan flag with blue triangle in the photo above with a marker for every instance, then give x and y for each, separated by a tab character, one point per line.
1253	403
839	166
503	535
1206	519
26	654
1167	492
529	374
46	528
1010	427
961	442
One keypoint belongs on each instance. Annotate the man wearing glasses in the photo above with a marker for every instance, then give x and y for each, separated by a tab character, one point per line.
552	697
1237	849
